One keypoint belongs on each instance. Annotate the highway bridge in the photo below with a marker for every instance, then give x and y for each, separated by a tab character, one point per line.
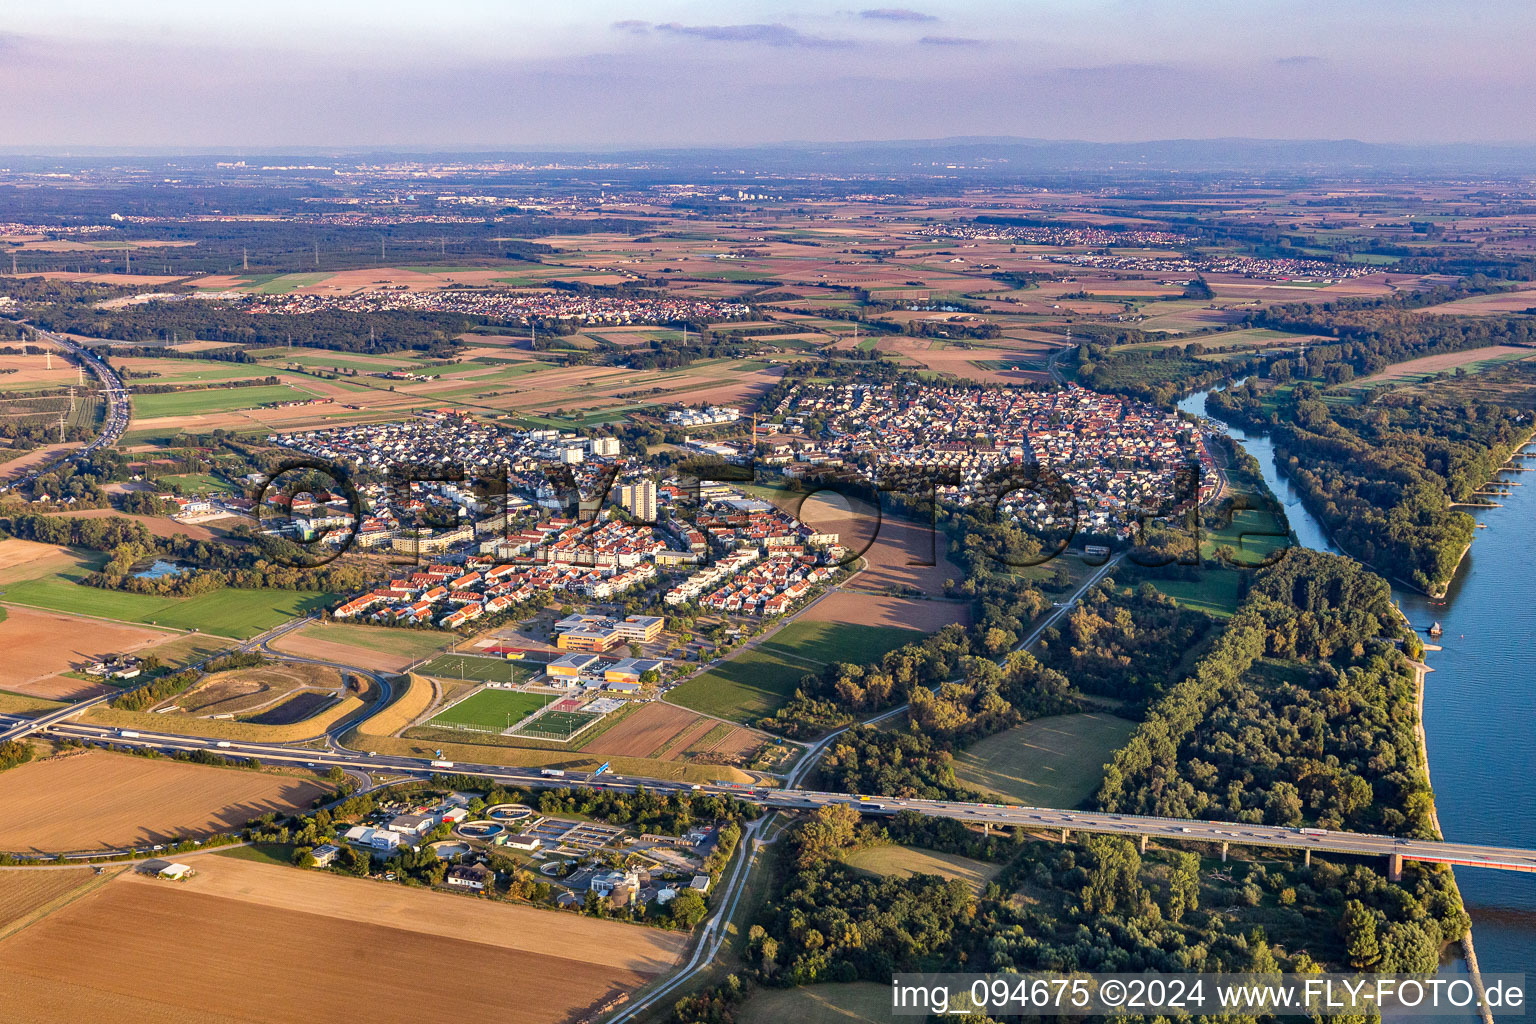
117	408
1049	821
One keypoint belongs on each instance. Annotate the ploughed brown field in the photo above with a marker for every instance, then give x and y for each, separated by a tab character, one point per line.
38	645
23	891
271	943
98	800
666	732
874	610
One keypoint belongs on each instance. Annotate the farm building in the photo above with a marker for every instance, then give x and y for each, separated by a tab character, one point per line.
175	872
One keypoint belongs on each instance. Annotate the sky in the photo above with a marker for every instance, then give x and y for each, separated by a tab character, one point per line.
612	74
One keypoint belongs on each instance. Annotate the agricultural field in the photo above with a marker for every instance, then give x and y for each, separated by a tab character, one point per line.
39	646
670	733
744	688
910	613
102	956
755	682
906	861
51	584
193	403
373	647
860	1002
824	642
23	893
469	666
1050	762
94	800
490	710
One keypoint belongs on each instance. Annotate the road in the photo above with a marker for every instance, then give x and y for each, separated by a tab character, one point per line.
19	728
815	750
117	409
1043	819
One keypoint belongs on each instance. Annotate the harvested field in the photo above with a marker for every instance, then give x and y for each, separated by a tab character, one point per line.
162	526
22	891
657	730
103	955
24	461
872	610
32	372
29	560
373	647
1428	366
1495	304
983	365
39	645
98	800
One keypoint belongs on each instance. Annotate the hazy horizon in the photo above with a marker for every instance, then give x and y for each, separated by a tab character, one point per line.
476	74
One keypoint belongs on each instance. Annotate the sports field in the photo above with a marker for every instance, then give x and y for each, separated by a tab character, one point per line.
1050	762
468	666
558	724
491	710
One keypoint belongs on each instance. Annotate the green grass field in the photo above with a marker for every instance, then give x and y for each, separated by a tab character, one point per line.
1212	590
758	681
1050	762
192	403
491	710
198	483
906	861
863	1002
824	642
743	689
468	666
228	612
559	724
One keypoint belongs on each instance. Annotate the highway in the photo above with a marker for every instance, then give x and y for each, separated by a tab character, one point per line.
117	409
1046	820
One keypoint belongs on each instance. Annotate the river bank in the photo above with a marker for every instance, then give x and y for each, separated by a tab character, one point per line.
1481	715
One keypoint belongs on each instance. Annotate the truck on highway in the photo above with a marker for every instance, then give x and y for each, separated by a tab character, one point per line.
222	743
128	734
442	764
1312	831
553	773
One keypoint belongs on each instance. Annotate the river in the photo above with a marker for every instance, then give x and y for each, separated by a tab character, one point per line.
1479	702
